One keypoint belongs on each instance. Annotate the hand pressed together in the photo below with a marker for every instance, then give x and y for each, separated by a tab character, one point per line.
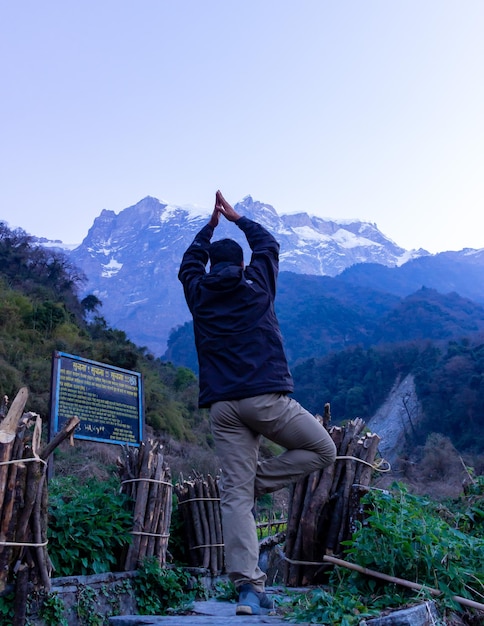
224	208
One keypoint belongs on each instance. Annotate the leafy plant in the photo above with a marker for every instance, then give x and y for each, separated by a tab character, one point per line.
86	607
406	538
470	508
162	590
52	610
6	608
224	590
88	526
177	545
322	607
403	536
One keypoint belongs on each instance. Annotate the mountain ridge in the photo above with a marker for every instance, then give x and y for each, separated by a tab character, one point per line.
131	258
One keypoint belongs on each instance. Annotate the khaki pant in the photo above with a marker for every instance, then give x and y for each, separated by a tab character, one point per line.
237	426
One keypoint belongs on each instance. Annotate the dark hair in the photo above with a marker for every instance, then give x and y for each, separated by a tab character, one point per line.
226	250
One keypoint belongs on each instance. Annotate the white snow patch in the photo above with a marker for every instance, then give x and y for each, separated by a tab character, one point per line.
289	255
309	234
194	211
331	220
111	268
346	239
408	255
343	237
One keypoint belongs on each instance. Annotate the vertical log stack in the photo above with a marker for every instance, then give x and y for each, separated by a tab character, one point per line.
23	502
199	502
146	479
325	503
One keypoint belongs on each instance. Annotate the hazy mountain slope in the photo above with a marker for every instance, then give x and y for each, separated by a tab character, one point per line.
319	315
430	315
462	272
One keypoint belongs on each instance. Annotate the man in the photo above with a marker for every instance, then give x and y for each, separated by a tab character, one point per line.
245	381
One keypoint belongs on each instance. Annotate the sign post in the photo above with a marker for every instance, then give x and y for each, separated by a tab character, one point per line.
108	400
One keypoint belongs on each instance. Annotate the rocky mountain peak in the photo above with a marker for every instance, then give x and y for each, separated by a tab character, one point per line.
132	258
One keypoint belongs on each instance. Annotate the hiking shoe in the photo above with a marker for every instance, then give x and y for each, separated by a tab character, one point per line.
252	602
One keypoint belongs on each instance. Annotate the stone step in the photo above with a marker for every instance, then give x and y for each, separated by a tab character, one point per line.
204	613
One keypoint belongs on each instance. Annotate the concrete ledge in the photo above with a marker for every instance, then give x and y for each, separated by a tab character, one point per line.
107	594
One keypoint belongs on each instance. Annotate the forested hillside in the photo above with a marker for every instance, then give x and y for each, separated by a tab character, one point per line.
449	380
40	312
347	345
319	315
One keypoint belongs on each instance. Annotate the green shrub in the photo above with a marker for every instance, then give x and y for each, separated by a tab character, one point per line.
405	537
469	509
322	607
7	613
161	590
52	610
89	526
408	537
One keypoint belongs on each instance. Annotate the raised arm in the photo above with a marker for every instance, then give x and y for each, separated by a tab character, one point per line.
195	259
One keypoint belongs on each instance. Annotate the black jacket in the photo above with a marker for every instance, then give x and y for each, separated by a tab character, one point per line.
239	344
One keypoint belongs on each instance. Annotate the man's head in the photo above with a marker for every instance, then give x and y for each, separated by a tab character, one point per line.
226	250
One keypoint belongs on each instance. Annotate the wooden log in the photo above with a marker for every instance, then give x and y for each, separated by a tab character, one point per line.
162	513
356	513
370	445
360	487
200	504
355	449
214	492
39	527
317	512
164	522
350	431
302	527
212	539
311	547
126	470
66	432
197	535
8	430
21	596
132	556
342	482
8	517
147	488
305	518
154	503
184	505
292	546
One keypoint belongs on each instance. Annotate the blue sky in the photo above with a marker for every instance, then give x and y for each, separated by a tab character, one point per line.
369	109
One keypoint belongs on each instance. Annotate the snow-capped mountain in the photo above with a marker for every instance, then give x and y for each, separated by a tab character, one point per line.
131	259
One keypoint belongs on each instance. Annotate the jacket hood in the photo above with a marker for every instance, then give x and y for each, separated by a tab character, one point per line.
223	277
